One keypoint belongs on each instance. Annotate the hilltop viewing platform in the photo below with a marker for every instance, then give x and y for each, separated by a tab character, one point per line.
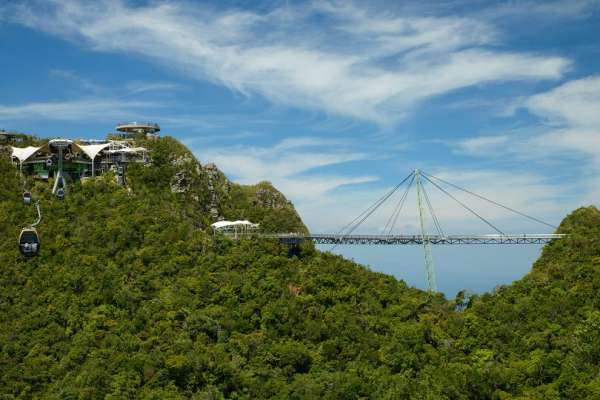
150	129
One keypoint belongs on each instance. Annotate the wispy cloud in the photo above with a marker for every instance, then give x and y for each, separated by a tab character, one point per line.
548	9
575	103
130	88
144	87
291	162
78	110
82	83
482	144
567	135
295	167
359	63
569	123
98	104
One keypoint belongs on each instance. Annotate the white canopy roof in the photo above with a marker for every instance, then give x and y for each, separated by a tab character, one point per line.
23	153
129	150
92	150
225	224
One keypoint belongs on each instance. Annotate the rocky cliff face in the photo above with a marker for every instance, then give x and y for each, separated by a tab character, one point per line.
217	184
214	194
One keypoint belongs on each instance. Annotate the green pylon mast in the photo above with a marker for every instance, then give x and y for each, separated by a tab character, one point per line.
431	283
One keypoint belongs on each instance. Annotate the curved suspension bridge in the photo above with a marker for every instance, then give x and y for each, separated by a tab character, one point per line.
417	178
335	239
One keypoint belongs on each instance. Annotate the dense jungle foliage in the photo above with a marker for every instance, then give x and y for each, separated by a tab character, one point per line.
132	297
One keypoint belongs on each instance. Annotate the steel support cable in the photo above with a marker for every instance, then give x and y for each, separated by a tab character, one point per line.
464	206
367	213
436	221
23	178
401	205
378	205
394	217
372	209
363	213
39	212
491	201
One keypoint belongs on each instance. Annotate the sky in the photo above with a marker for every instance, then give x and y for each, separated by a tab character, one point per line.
335	103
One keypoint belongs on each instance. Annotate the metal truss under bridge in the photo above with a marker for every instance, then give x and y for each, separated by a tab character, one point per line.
337	239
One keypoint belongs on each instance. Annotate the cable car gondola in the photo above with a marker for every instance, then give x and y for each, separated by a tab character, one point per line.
29	242
60	193
27	197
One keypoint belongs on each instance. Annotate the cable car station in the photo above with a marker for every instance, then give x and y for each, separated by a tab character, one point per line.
66	160
69	160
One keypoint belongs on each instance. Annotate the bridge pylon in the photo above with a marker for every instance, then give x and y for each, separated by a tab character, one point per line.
429	268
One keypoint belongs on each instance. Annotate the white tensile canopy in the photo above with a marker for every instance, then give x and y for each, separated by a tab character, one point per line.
224	225
92	150
23	153
129	150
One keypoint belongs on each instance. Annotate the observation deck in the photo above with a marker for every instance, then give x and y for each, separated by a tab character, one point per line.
148	128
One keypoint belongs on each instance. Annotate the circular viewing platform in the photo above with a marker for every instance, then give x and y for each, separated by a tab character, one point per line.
138	127
60	143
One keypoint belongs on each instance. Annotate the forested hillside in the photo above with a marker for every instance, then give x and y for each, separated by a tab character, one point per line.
133	297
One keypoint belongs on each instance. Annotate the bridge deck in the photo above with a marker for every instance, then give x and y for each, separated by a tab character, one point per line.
414	239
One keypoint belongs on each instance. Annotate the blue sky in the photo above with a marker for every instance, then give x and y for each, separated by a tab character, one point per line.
334	102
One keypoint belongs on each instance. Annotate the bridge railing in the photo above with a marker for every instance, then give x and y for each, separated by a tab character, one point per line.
406	239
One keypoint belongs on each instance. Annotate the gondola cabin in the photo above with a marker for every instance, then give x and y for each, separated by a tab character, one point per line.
27	197
29	242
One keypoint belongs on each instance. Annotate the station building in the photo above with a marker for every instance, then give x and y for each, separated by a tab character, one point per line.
65	159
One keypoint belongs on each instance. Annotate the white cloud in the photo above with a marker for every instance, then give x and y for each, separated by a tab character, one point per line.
135	88
131	88
305	142
358	63
482	144
292	165
567	141
100	103
78	110
576	103
549	9
571	124
583	142
288	164
573	107
81	82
